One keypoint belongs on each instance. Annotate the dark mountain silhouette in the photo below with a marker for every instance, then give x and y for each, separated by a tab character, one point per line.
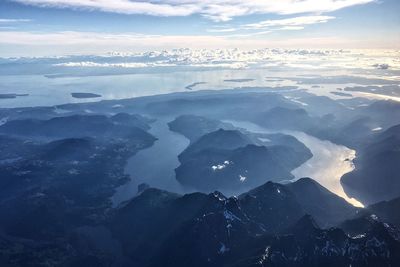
376	177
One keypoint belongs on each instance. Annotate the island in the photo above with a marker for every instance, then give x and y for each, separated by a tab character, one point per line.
191	86
85	95
239	80
341	94
11	96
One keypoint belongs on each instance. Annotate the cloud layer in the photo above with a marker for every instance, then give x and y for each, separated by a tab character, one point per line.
267	26
217	10
18	43
188	59
70	42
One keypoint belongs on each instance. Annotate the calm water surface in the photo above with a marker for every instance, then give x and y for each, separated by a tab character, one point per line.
155	165
328	164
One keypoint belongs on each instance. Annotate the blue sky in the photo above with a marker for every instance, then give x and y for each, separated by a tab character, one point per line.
58	27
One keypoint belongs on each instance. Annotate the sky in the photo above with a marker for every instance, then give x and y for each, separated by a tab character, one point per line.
61	27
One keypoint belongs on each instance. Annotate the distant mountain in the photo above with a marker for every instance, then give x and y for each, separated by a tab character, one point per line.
355	133
236	162
236	105
379	111
286	119
355	127
97	126
376	177
50	187
217	140
193	127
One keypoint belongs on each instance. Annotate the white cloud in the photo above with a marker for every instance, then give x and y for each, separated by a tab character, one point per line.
18	43
193	59
217	10
292	28
268	26
69	38
9	21
291	22
129	65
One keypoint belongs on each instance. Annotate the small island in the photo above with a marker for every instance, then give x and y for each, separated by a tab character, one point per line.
191	86
11	96
239	80
341	94
85	95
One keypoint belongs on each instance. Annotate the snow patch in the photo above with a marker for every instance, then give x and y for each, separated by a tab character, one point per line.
377	129
117	106
223	249
230	216
359	236
242	178
374	217
265	255
221	166
296	100
3	121
73	172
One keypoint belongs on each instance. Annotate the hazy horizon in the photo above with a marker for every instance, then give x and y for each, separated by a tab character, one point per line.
60	27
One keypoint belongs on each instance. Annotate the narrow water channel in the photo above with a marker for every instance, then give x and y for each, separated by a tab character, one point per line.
155	165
